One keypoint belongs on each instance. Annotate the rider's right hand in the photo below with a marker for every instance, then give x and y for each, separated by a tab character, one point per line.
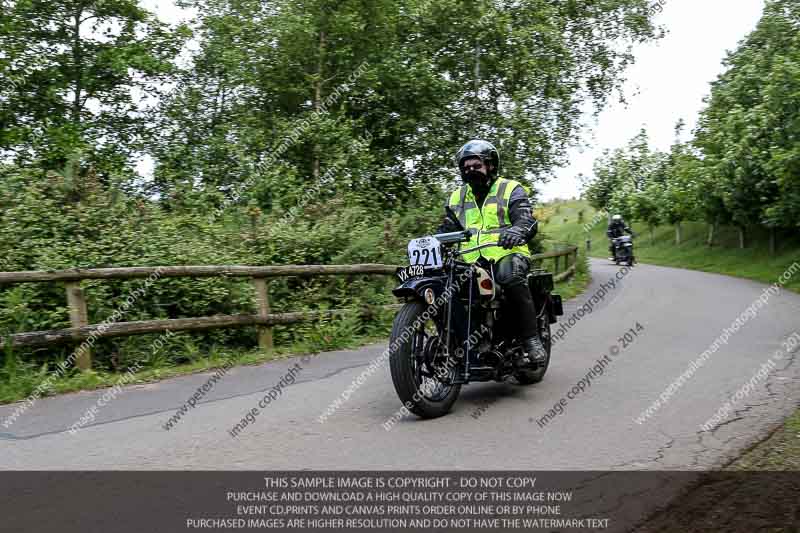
447	226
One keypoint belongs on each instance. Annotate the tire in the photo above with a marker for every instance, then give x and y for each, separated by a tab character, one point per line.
403	366
529	377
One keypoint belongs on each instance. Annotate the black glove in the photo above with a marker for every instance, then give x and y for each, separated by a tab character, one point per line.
447	226
512	237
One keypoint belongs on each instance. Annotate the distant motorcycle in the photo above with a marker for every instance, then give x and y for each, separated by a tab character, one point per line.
623	250
452	329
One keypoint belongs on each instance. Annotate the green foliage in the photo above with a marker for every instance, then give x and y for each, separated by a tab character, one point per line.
679	199
749	131
108	227
645	205
622	173
265	73
79	68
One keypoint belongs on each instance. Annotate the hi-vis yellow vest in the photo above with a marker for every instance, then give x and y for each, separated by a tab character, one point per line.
489	220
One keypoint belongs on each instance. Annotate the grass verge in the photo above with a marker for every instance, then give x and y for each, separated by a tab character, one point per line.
754	262
779	452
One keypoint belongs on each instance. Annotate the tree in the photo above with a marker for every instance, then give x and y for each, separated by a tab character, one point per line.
748	132
82	68
678	199
645	206
624	172
608	177
431	77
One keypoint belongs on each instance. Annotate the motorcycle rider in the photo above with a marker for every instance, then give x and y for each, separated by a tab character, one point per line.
616	228
500	211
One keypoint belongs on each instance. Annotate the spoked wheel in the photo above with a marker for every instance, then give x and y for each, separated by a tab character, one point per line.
529	377
421	374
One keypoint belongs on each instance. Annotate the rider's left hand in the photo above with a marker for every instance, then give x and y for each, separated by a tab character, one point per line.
512	237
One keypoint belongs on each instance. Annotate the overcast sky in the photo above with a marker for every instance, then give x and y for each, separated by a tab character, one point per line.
667	83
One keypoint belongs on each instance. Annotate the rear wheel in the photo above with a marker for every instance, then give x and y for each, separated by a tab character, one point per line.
420	371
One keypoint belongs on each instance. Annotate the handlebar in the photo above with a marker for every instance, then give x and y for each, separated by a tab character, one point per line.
462	236
454	237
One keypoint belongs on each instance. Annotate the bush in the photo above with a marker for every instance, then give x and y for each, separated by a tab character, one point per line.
49	222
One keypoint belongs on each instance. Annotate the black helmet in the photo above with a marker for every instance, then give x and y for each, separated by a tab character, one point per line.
482	149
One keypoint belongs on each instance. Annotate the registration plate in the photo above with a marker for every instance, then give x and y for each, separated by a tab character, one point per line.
409	272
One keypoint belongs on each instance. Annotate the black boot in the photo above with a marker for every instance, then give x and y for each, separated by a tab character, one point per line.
535	349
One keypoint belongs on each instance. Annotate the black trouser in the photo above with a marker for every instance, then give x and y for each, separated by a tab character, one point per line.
511	272
611	246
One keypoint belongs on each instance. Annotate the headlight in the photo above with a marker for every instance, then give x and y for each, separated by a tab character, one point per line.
430	297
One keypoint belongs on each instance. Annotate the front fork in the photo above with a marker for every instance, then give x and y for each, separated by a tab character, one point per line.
462	352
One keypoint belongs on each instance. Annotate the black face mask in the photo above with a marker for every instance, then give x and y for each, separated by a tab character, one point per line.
476	180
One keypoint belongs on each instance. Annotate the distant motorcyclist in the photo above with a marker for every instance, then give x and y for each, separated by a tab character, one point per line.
617	228
499	210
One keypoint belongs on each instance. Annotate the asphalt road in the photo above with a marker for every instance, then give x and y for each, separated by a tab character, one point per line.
680	312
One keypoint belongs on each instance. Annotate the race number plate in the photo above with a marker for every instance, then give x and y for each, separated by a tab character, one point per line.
425	252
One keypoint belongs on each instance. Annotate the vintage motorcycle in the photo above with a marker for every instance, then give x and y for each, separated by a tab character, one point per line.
623	250
452	330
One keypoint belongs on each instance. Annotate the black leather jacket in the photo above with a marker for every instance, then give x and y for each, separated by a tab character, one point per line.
618	229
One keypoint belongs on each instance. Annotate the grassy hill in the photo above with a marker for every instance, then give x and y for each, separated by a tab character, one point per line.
565	220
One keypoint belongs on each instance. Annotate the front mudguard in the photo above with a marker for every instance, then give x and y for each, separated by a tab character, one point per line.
415	288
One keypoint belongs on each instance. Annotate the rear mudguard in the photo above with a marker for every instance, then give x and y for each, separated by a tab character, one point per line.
556	307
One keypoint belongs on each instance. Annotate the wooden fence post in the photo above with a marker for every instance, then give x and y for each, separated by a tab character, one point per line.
262	298
79	317
557	261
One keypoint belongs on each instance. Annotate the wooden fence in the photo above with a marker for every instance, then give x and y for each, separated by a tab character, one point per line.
81	330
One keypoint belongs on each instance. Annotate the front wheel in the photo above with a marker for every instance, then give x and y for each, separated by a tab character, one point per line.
421	372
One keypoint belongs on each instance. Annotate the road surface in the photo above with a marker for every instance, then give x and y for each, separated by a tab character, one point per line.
492	426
